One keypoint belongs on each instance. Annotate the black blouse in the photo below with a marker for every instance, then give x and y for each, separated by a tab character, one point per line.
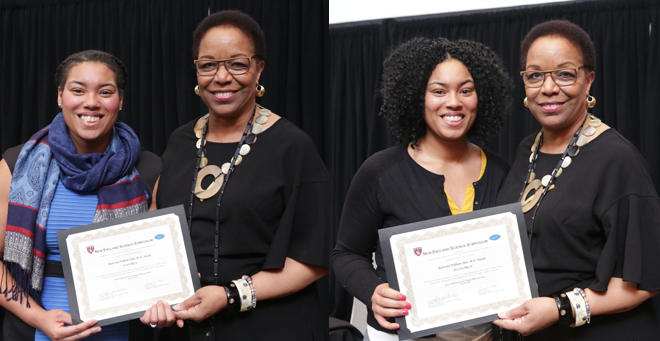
274	206
392	189
601	220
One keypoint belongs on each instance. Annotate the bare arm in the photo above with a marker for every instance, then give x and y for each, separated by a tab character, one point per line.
540	313
153	206
50	322
209	300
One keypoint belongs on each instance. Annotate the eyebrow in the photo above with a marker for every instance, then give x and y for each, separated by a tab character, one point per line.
100	86
462	83
564	64
232	56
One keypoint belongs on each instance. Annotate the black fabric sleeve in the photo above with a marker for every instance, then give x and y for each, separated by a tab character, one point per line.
358	235
302	233
11	156
149	165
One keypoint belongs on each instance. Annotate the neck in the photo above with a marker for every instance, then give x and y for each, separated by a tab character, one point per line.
556	141
87	147
227	129
444	151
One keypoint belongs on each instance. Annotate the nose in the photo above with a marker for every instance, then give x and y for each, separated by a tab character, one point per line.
549	86
453	100
91	101
222	76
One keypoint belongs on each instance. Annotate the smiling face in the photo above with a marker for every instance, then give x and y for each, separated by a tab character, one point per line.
226	95
557	108
90	103
450	102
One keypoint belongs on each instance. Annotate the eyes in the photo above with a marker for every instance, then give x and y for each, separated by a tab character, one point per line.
104	92
463	91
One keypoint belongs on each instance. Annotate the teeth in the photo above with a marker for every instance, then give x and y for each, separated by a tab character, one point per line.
90	119
551	106
224	94
452	118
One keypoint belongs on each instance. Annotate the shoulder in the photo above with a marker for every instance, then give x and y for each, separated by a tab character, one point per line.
613	156
383	161
184	131
11	156
149	165
496	164
286	143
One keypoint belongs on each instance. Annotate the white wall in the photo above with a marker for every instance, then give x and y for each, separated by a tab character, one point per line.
358	10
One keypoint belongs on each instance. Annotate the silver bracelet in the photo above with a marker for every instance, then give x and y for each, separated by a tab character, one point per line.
248	279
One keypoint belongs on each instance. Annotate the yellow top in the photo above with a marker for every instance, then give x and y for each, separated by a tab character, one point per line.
468	201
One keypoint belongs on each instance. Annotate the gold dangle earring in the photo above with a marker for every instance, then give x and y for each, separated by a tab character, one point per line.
526	103
260	90
591	102
197	90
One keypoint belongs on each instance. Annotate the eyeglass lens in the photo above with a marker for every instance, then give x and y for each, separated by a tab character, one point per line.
561	77
234	66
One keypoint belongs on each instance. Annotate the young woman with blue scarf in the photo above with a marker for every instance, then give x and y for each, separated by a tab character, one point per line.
81	169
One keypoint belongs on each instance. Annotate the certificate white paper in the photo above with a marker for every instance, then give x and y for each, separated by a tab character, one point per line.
460	271
117	269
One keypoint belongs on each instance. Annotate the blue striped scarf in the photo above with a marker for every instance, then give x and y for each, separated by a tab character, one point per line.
50	156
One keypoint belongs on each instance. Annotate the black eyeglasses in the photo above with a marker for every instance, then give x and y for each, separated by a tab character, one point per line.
235	66
561	77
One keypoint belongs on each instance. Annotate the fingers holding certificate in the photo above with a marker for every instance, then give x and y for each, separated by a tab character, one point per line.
460	270
116	270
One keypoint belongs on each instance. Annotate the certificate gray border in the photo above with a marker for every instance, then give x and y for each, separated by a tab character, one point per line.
384	236
66	261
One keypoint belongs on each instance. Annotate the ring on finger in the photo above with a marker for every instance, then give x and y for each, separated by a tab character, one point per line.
153	325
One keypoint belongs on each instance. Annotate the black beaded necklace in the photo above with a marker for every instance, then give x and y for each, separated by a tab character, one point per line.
200	154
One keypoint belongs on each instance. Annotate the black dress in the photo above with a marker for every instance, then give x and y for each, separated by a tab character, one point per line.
601	220
391	189
274	207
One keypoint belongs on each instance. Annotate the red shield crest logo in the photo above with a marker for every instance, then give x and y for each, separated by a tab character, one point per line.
90	249
418	251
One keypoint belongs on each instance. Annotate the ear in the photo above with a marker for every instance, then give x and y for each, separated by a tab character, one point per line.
121	100
59	95
260	68
590	79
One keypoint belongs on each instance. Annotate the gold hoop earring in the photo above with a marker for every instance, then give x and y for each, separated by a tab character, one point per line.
197	90
526	103
591	102
260	90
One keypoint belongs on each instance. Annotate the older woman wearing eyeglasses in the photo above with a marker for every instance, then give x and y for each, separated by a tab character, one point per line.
255	191
592	213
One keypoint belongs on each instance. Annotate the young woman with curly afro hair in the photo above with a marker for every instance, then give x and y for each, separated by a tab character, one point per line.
436	94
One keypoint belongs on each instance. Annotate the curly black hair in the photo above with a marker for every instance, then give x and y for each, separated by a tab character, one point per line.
109	60
234	18
569	31
408	69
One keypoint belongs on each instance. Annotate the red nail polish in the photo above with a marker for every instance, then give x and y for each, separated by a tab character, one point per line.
405	312
403	297
408	305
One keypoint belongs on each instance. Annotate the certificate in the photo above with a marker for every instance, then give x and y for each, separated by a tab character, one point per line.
117	269
459	271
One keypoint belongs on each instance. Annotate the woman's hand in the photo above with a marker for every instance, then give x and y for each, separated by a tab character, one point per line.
387	302
52	324
205	303
159	315
531	316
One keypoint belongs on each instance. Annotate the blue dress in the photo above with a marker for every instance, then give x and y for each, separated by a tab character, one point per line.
70	209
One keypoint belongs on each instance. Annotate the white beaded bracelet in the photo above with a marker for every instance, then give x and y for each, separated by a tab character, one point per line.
245	292
579	306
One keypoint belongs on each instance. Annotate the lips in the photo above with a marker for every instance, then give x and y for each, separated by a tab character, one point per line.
551	106
453	119
224	95
90	118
